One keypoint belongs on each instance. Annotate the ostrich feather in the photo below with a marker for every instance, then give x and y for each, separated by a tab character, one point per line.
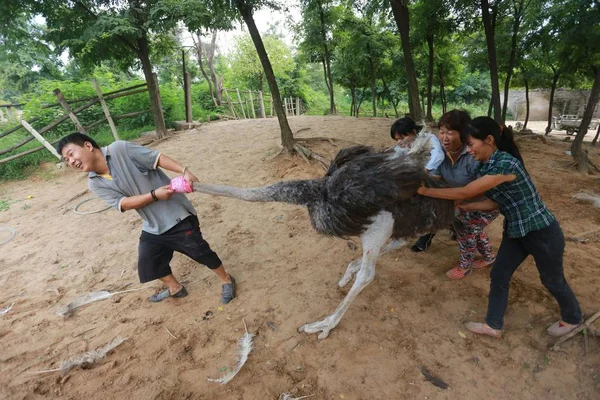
244	348
7	309
67	310
86	359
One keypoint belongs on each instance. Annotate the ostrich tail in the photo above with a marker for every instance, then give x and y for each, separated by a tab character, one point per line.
422	143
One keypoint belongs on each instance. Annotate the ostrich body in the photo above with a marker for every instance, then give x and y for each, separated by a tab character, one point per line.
364	193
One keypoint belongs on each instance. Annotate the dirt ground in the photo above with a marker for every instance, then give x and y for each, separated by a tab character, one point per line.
410	316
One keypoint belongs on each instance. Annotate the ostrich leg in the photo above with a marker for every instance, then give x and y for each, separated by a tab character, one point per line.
372	241
354	266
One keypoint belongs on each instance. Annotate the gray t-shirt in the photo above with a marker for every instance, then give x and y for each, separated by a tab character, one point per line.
460	173
133	170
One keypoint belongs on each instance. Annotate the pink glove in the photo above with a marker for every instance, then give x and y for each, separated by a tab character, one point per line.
180	185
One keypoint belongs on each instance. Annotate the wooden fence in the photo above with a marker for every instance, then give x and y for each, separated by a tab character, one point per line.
250	103
70	113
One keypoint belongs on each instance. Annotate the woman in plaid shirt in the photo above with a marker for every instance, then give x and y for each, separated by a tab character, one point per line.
529	227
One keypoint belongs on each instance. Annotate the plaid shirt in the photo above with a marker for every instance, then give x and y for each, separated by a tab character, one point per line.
519	201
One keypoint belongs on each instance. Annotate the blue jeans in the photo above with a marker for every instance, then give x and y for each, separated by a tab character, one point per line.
547	247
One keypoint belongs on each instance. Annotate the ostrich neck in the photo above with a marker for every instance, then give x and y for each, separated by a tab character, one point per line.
294	192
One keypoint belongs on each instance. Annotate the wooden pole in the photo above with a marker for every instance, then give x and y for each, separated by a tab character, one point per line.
262	104
111	123
285	106
40	138
188	97
252	104
297	106
65	106
233	114
241	104
10	115
272	108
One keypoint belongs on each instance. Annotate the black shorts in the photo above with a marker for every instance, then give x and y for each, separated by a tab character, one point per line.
156	251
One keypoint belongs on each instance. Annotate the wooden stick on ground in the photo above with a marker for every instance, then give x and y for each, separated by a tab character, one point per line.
586	325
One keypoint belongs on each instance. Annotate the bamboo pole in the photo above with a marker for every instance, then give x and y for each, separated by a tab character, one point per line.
241	105
297	106
262	104
7	159
285	106
233	114
111	123
272	108
65	106
41	139
106	95
252	104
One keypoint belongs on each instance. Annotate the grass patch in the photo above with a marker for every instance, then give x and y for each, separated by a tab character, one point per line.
4	205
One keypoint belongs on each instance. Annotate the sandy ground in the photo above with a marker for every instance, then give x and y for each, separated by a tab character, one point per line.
409	317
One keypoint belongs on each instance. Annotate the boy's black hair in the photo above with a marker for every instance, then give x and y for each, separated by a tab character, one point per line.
76	138
403	126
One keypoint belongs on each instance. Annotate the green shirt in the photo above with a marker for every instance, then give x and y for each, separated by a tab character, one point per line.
519	201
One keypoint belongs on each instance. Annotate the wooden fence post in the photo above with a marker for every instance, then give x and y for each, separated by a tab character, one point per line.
252	104
272	108
262	104
241	104
234	115
65	106
111	123
297	106
40	138
187	84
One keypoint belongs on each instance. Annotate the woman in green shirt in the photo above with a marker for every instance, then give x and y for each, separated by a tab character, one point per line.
529	227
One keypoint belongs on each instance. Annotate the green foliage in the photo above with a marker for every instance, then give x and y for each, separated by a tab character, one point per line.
246	70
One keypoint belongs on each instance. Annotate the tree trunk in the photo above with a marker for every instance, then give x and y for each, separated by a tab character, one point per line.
332	109
198	46
579	154
526	103
211	67
517	11
153	92
287	138
374	97
490	108
429	117
596	137
489	25
400	11
325	74
551	104
353	105
442	90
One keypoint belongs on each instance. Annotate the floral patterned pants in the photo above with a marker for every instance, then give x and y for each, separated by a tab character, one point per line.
471	238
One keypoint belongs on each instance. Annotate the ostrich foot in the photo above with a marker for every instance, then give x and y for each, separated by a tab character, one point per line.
323	326
395	244
352	269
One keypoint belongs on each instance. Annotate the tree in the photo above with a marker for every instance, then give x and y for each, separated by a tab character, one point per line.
207	51
401	16
246	7
246	66
26	56
318	20
432	25
519	8
97	30
489	16
578	20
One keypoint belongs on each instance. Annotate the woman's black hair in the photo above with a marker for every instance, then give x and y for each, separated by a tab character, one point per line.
482	127
403	126
456	120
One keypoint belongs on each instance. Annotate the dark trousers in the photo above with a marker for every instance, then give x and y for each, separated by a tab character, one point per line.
547	247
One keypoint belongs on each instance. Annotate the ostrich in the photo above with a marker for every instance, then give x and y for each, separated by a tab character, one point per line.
364	193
